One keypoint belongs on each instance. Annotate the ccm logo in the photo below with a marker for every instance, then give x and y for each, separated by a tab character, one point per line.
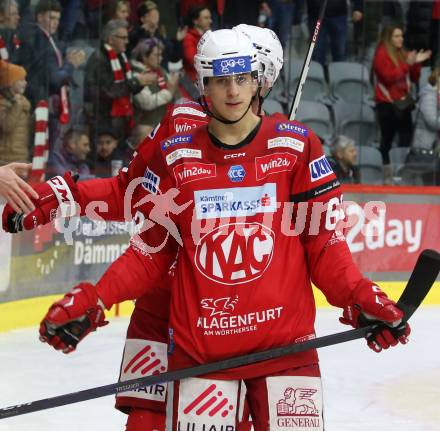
61	189
66	202
234	156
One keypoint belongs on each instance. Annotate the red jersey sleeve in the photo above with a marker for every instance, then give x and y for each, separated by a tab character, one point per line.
152	251
316	189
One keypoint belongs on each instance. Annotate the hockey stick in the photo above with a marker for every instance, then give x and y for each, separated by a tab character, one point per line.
306	65
423	276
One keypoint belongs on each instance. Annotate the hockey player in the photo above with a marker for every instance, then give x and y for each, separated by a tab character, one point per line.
148	326
242	279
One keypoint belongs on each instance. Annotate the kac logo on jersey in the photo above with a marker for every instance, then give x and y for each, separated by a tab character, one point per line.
273	164
229	66
236	173
151	182
235	202
179	139
292	128
235	253
182	124
319	168
193	171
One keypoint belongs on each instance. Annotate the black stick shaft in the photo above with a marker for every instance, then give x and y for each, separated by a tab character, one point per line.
130	385
306	65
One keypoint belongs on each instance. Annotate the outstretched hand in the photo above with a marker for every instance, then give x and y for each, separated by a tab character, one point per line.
14	189
415	57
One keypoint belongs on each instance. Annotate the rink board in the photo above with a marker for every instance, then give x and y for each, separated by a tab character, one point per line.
29	312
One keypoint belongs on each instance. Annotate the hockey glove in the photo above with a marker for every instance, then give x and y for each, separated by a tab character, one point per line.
57	192
70	319
371	305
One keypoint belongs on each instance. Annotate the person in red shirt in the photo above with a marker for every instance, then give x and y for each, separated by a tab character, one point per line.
394	68
216	195
199	21
148	325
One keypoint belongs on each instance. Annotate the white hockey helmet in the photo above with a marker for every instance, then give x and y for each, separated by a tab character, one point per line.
223	53
270	51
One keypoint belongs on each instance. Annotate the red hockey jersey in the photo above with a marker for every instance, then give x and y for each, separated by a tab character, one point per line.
113	191
256	223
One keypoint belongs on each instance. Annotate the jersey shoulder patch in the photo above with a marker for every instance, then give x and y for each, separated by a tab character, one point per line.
186	109
183	146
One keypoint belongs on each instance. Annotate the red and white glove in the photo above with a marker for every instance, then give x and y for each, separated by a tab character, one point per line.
57	192
73	317
370	304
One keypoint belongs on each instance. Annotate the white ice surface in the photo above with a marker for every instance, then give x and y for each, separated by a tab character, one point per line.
396	390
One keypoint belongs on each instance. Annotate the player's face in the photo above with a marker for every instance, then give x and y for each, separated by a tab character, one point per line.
231	95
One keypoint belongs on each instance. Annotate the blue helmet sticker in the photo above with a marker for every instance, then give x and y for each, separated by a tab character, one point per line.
231	66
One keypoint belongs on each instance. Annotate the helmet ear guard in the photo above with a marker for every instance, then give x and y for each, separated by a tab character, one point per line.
270	51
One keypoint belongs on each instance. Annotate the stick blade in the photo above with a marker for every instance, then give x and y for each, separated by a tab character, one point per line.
420	282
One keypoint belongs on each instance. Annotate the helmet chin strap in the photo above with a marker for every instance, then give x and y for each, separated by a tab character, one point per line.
262	98
204	105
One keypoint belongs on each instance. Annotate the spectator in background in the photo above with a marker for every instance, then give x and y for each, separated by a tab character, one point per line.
199	21
427	127
282	18
116	9
425	148
9	41
149	27
333	29
71	156
151	102
15	114
244	12
69	17
15	190
369	18
186	5
49	73
394	68
138	134
344	160
109	83
420	25
106	152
